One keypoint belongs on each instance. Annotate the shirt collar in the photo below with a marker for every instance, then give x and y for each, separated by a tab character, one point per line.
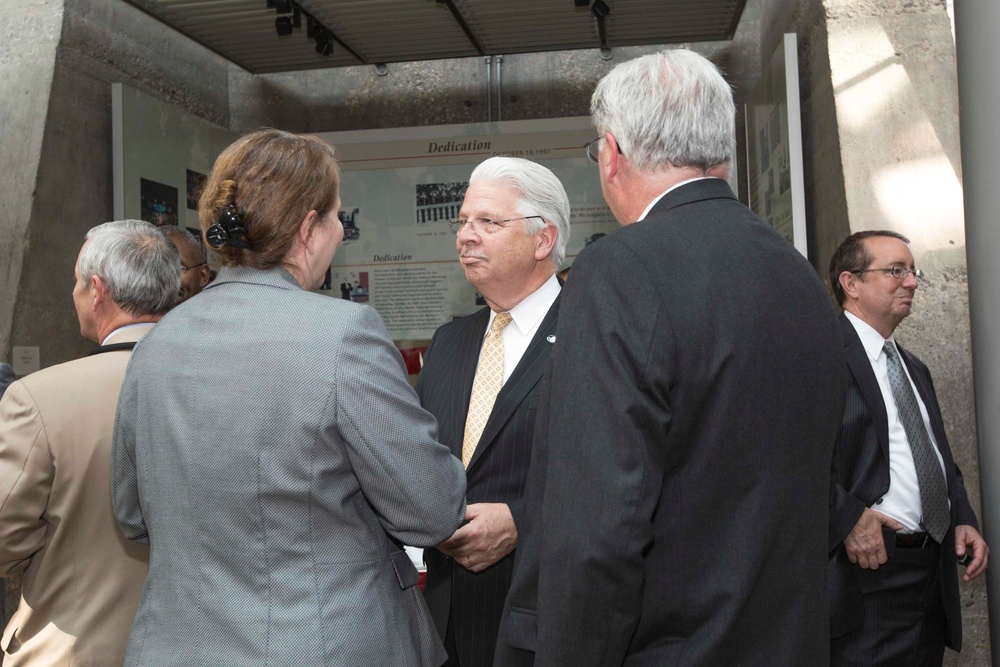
124	328
668	190
532	308
871	340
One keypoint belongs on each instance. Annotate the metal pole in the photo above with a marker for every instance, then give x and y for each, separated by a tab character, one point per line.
499	60
489	89
977	24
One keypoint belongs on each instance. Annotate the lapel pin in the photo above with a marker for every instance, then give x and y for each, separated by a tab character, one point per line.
551	339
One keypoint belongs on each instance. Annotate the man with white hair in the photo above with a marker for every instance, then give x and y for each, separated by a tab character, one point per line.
81	578
480	380
682	491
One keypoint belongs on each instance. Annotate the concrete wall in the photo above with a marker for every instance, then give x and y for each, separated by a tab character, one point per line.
439	92
27	63
68	113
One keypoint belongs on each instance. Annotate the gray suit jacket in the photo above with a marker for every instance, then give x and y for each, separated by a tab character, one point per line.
271	451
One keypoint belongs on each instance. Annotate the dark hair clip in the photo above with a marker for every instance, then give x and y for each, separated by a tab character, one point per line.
228	230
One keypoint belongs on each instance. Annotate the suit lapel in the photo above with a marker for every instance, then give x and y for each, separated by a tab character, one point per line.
524	378
861	368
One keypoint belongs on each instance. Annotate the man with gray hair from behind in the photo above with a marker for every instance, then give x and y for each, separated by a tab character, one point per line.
481	381
679	499
81	578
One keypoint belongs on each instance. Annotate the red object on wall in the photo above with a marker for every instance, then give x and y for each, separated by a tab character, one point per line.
411	357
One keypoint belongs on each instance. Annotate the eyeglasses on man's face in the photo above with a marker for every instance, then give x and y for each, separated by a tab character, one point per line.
193	266
485	225
593	148
897	272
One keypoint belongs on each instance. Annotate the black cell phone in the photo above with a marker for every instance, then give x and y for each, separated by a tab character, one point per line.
965	560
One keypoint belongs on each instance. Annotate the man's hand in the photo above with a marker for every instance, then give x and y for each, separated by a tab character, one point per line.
968	539
489	535
864	543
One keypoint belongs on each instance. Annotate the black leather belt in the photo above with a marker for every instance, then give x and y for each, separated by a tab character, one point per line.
914	540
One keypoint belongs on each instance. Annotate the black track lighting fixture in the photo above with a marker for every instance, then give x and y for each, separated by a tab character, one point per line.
283	25
324	41
324	49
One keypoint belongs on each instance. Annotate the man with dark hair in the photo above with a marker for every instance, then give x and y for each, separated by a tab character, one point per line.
195	273
82	578
899	515
677	504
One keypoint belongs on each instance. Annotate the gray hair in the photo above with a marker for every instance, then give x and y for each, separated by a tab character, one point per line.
541	194
181	235
138	263
671	108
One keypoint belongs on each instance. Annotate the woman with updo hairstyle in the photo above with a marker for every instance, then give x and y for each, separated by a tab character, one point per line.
269	449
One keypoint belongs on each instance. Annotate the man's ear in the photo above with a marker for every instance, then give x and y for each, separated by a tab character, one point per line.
545	241
614	162
204	274
849	283
99	290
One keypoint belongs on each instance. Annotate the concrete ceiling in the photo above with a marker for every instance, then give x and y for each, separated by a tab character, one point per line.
387	31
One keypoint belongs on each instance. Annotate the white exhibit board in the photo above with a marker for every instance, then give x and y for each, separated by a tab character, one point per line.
400	188
774	146
161	153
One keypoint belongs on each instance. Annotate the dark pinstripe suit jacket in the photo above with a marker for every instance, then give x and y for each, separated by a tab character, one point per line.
496	473
861	475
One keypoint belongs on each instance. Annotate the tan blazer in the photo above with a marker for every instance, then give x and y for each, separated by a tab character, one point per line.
82	579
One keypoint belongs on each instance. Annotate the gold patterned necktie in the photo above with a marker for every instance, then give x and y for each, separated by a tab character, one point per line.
486	386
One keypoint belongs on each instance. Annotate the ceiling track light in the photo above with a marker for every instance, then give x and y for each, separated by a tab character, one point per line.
600	10
285	25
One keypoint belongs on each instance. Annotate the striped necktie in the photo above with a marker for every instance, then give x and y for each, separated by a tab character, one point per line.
933	488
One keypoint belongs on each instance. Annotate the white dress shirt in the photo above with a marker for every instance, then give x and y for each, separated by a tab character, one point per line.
902	501
671	188
525	318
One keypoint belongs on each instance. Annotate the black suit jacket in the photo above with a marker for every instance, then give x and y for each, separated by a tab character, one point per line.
496	473
861	474
696	389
